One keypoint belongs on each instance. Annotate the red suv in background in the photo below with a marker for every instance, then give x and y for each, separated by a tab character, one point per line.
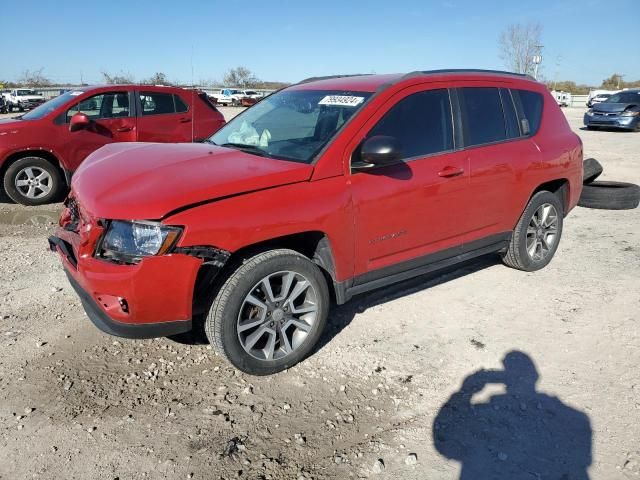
323	190
42	148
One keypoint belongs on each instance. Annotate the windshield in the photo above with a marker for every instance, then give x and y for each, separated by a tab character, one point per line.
48	107
624	97
291	125
24	93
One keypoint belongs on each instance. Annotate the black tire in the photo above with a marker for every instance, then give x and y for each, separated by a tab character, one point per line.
610	195
221	323
592	170
19	196
517	255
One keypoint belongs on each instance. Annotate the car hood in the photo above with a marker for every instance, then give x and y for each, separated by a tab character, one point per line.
607	107
8	123
145	181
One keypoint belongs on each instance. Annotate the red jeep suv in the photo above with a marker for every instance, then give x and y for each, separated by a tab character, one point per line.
321	191
40	149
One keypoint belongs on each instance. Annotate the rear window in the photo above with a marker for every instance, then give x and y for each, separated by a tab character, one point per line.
483	116
531	105
205	98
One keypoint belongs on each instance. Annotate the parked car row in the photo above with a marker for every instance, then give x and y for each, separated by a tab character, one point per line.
41	149
323	190
236	97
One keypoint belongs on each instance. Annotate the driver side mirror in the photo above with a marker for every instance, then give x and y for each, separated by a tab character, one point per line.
379	151
78	122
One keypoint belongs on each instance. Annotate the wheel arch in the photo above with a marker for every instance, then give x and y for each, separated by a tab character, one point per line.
560	187
45	154
313	244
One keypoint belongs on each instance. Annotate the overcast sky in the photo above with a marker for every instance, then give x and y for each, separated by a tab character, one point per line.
287	40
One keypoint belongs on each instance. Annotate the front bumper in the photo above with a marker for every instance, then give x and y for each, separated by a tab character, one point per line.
120	329
153	298
611	121
29	105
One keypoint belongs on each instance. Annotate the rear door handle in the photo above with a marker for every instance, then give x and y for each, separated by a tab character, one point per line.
185	120
448	172
124	129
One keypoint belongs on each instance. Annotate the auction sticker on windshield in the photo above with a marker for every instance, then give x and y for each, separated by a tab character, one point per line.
344	100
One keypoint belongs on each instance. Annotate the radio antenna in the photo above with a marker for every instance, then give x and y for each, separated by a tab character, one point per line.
193	100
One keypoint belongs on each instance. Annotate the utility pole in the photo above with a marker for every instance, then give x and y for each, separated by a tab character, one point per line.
537	60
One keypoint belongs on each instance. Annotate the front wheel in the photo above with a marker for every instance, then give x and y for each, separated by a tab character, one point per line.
537	234
33	181
269	313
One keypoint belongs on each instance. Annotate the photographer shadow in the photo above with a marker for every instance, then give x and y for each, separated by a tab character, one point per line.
521	434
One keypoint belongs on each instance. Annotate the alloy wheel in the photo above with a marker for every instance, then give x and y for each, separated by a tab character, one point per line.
277	315
542	232
33	182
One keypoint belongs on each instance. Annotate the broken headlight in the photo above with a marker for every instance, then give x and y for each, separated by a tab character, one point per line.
128	242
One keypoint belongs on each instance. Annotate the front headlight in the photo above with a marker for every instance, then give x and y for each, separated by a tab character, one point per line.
590	113
128	242
630	113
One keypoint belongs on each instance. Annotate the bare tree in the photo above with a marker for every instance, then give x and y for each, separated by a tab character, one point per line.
240	77
614	82
118	78
34	78
518	45
158	78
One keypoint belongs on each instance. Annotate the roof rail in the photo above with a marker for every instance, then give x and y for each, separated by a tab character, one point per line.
329	77
467	70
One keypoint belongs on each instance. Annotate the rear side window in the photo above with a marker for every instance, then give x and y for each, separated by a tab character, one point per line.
531	109
181	107
420	122
510	115
482	115
157	103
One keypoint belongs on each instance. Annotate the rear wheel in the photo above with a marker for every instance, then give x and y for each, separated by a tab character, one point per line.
537	234
270	312
33	181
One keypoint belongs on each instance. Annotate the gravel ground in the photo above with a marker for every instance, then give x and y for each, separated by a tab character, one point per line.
381	398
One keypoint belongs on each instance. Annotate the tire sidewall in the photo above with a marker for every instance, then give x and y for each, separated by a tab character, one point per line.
39	162
536	201
246	281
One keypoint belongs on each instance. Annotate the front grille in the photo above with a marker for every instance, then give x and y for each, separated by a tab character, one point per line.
74	215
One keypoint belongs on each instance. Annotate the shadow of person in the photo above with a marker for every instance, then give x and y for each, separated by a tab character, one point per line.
521	434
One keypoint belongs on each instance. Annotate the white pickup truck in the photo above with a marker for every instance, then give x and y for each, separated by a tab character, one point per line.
22	99
227	96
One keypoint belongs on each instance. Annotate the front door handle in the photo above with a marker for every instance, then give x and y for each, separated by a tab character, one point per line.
185	120
448	172
124	129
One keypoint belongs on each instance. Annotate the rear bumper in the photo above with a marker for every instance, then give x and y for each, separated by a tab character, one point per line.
153	298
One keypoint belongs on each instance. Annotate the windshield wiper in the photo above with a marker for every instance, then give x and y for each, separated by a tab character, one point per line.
248	149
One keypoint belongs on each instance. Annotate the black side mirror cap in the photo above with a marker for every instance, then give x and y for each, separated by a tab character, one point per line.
379	151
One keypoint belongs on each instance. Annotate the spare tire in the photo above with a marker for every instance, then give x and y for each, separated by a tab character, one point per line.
592	170
610	195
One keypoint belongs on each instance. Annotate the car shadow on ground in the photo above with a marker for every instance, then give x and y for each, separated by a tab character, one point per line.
341	315
519	434
606	129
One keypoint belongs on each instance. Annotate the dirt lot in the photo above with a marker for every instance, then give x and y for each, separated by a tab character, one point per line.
75	403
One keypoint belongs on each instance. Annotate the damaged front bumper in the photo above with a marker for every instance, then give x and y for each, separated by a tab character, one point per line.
153	298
